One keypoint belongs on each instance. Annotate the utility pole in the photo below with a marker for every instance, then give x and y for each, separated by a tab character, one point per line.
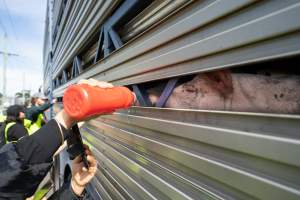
5	58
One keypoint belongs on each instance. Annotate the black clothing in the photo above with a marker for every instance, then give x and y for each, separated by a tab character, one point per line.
66	193
19	179
16	131
25	163
2	137
14	110
33	112
41	145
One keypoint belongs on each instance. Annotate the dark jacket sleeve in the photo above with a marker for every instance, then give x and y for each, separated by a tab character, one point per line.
40	147
25	163
18	179
16	132
33	112
43	107
66	193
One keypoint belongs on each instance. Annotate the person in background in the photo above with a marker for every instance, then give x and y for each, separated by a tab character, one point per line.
39	104
25	163
13	129
2	119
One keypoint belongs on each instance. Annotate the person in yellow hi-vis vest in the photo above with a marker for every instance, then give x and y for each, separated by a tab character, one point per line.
36	125
13	128
2	118
34	114
25	163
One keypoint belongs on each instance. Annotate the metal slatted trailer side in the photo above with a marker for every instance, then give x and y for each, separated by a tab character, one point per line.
159	153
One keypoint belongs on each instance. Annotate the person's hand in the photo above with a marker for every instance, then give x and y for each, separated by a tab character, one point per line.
94	82
80	175
54	101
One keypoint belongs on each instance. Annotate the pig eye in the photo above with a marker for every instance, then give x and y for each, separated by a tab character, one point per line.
190	89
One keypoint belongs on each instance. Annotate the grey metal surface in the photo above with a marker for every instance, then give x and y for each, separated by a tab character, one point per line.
156	153
157	11
192	154
209	35
92	17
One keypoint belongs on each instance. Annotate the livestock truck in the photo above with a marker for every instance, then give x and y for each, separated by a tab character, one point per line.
159	149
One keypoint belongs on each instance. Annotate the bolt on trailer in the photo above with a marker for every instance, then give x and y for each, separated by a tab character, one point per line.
175	55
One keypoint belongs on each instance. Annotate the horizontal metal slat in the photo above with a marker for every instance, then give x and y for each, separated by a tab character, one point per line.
72	16
283	47
151	15
118	185
250	154
154	14
144	173
193	185
157	67
256	184
209	187
272	147
159	188
284	125
95	18
56	8
97	190
81	14
243	34
277	171
111	190
131	185
64	22
207	13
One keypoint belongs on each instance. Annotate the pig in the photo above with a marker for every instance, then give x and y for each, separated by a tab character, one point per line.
223	90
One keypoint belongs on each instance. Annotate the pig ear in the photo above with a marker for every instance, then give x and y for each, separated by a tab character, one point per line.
221	80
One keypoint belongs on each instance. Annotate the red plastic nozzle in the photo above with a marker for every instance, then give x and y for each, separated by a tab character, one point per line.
82	101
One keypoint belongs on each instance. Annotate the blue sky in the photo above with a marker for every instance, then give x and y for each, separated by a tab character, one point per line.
25	33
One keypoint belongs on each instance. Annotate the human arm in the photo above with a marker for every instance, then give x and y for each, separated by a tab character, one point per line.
16	131
81	176
33	112
44	143
30	158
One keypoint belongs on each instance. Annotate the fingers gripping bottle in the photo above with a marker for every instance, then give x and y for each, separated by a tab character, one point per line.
82	101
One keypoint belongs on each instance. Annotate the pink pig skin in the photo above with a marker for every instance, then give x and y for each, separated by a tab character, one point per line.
223	90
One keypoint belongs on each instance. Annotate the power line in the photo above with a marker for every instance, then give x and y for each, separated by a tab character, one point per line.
10	19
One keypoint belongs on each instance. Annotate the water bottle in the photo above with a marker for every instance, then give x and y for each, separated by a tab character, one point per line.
82	100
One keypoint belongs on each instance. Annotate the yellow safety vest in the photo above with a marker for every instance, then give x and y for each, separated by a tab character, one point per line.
36	125
10	124
2	118
27	124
